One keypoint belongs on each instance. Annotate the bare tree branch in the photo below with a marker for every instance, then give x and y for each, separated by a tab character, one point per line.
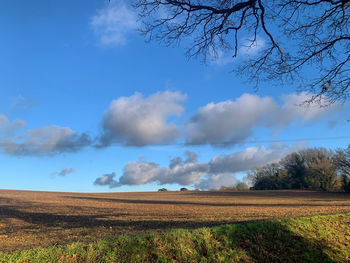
306	42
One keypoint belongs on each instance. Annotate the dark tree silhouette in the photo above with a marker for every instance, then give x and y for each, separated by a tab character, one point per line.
314	168
342	162
306	42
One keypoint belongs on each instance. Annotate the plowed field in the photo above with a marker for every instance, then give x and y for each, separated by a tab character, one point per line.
29	219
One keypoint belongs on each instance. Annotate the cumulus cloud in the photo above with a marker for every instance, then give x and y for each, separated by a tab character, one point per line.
113	23
219	171
49	140
139	121
106	179
7	127
64	171
234	121
216	181
251	157
294	108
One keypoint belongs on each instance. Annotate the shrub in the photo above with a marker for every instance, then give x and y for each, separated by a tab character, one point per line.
242	187
226	188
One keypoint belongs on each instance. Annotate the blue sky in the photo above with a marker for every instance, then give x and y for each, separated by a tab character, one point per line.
87	105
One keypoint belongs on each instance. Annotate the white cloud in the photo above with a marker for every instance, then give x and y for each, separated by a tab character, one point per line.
151	172
294	108
216	181
8	128
47	140
113	23
106	179
234	121
140	121
219	171
251	157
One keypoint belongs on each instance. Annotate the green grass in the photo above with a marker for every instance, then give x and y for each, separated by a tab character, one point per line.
311	239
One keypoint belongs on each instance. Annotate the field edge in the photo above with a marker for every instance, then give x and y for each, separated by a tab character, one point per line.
323	238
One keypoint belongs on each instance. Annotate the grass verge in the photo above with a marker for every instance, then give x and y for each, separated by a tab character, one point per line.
306	239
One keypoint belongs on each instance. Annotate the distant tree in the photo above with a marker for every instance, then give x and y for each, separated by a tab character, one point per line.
162	190
306	169
267	183
228	188
342	163
306	166
295	167
322	175
242	187
183	189
269	177
272	171
299	37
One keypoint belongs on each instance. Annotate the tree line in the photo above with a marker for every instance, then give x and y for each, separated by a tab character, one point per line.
314	169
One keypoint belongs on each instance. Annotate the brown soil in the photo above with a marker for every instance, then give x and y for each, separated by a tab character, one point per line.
29	219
